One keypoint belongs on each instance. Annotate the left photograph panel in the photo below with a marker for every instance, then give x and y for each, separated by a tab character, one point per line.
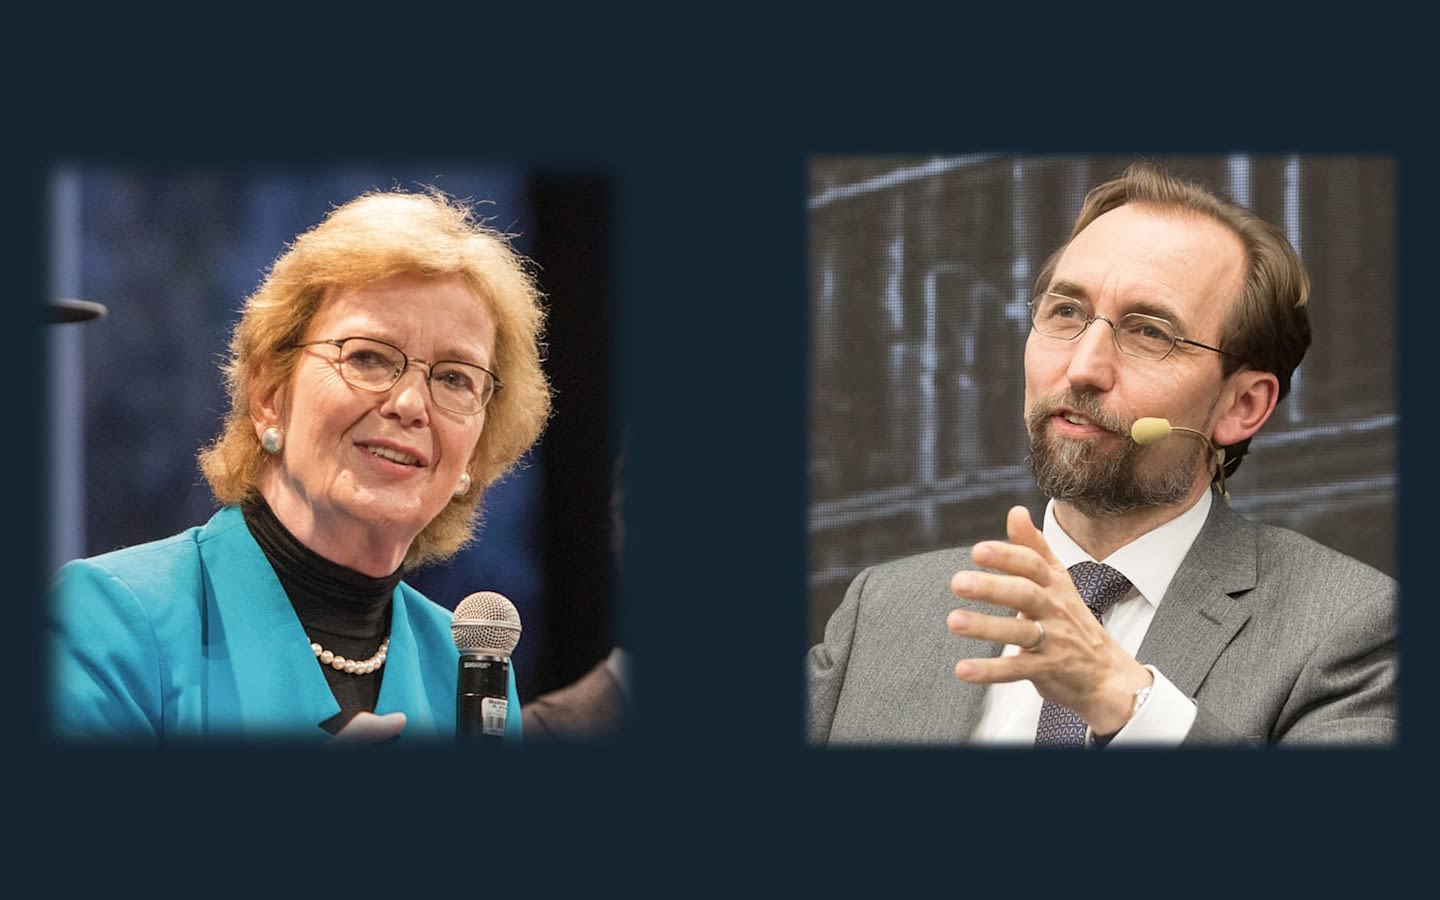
326	448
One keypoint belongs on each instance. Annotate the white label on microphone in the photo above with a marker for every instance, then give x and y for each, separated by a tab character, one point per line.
492	715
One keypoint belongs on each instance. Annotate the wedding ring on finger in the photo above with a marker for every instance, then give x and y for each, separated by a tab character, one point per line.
1040	640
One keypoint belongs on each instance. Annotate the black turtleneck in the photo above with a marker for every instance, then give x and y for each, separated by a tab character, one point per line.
341	609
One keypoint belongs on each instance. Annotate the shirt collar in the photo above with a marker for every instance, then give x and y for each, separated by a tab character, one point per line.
1150	561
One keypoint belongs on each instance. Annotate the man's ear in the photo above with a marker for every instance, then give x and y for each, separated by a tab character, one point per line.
1251	397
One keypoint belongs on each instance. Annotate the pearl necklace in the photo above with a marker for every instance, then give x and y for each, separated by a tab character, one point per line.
351	666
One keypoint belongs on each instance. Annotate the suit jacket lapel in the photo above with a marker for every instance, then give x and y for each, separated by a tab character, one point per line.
1204	606
261	672
403	687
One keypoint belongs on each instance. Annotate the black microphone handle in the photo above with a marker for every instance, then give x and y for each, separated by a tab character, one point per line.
481	692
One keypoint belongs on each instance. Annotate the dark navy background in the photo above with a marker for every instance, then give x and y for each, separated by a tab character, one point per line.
706	127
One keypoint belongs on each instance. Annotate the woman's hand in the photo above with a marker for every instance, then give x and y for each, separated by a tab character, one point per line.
368	728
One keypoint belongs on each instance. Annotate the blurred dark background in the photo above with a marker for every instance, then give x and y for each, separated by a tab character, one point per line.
919	274
137	392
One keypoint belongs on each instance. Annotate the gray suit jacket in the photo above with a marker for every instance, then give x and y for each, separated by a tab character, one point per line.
1278	639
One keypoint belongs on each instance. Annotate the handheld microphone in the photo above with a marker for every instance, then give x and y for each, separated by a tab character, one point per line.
1149	429
485	629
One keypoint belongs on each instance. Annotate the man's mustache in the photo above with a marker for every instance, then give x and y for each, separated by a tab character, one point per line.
1085	404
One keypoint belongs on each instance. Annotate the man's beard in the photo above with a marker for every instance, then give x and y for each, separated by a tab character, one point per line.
1100	482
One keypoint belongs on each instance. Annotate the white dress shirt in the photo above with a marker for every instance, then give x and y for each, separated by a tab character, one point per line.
1011	710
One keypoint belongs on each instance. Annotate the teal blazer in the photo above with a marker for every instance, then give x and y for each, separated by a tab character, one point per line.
192	637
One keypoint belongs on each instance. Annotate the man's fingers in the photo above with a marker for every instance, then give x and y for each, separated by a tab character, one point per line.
997	629
1014	559
1021	530
1017	592
992	671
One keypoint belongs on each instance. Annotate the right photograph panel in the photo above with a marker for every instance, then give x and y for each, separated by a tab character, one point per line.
1102	340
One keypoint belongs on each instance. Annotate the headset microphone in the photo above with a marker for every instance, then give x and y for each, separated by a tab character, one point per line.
1149	429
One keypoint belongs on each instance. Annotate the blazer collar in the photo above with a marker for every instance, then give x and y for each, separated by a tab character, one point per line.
263	677
1204	606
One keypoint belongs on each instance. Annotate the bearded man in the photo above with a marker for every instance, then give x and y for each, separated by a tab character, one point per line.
1142	610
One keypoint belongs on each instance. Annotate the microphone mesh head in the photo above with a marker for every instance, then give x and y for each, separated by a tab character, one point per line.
486	623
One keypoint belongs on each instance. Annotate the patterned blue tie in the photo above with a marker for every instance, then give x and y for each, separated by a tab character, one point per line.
1100	586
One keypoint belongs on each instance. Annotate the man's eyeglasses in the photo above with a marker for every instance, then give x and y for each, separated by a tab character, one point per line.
1136	334
372	365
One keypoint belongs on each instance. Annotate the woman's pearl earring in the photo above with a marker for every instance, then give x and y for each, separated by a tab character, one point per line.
464	484
272	439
